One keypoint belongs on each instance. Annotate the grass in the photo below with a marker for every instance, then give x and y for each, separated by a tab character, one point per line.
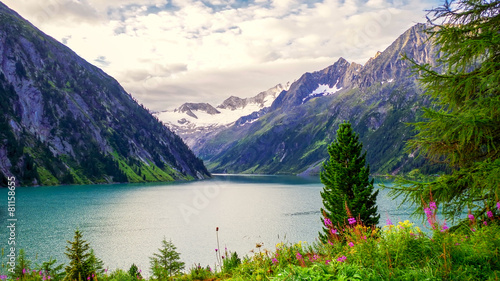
398	251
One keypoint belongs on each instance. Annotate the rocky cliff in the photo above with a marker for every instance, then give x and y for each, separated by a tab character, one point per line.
63	120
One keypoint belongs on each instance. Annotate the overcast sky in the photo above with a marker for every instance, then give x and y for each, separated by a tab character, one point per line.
167	52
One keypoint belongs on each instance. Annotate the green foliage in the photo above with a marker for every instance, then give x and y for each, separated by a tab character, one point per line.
167	262
50	268
199	273
461	128
22	265
348	191
230	262
82	261
134	272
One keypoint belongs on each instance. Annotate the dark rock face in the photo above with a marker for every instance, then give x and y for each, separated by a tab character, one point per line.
64	120
188	108
293	134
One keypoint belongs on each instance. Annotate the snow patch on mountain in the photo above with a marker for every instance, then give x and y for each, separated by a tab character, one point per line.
193	121
224	117
323	90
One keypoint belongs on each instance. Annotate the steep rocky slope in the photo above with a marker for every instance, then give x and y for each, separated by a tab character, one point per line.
63	120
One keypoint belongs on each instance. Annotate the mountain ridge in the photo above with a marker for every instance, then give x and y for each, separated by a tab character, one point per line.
195	122
66	121
292	136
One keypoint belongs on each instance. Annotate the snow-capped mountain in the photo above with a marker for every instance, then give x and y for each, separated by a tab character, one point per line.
194	121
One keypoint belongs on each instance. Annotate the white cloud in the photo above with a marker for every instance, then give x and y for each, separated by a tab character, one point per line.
169	52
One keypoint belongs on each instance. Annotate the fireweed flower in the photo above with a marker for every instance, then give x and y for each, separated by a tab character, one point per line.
24	270
485	223
489	214
342	259
471	217
299	256
333	231
327	221
498	205
432	205
352	220
445	227
351	244
388	222
275	261
428	212
327	262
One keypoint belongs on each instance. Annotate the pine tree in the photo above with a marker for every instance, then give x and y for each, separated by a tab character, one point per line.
77	252
346	182
462	127
166	263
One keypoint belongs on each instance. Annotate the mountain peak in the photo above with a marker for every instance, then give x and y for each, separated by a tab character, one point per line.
65	121
188	108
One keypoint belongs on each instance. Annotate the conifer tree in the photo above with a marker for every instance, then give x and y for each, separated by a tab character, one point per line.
346	182
82	261
167	262
462	127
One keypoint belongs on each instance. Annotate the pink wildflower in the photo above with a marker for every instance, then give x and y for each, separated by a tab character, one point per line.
342	259
498	205
351	244
432	205
333	231
352	220
327	262
445	227
327	221
489	214
388	222
485	223
298	255
471	217
275	261
428	212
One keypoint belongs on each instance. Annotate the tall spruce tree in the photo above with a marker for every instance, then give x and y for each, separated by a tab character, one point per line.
346	182
462	127
167	262
82	261
77	252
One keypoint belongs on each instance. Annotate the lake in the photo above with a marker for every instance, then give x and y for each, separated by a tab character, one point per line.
125	223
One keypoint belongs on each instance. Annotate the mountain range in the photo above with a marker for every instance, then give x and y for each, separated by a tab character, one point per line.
197	122
292	134
63	120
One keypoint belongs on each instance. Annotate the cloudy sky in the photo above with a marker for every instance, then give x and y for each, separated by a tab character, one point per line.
167	52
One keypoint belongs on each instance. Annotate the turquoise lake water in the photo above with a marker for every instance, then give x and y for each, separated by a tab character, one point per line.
125	223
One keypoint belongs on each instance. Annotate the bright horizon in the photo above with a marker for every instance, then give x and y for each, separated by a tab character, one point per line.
166	53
